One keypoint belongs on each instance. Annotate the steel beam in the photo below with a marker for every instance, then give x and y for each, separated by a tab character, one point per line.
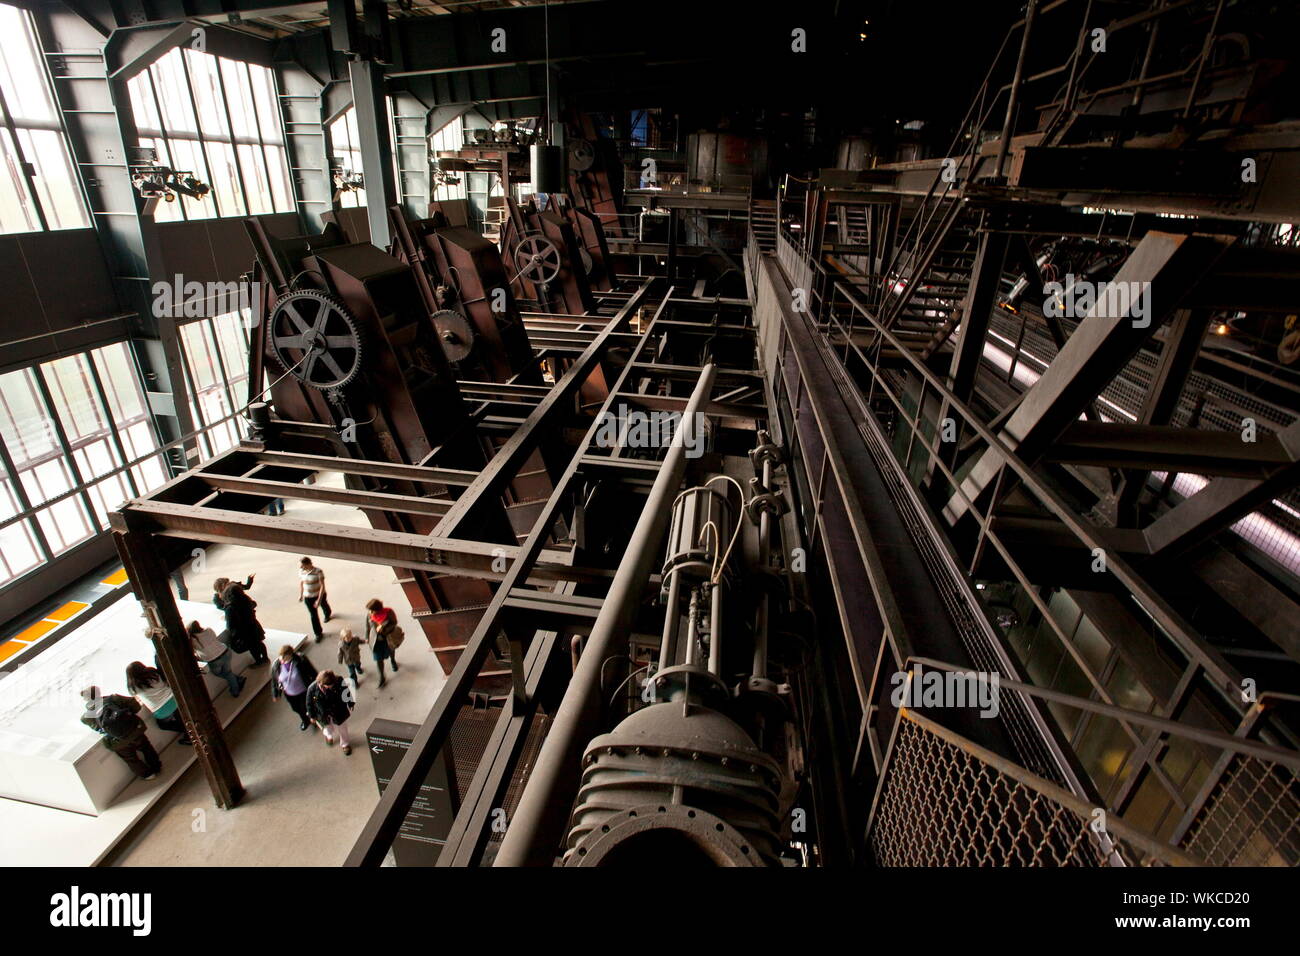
1167	448
1177	357
1167	266
365	500
436	554
505	464
1221	502
367	79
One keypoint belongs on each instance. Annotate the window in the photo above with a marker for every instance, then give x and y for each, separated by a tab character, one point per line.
39	188
216	367
345	146
450	137
69	427
218	119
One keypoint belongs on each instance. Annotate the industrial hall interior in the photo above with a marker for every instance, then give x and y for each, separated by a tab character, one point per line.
577	433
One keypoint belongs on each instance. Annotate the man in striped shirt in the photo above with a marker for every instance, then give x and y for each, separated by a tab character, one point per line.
311	591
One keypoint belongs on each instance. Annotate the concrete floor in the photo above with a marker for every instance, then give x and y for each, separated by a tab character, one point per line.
306	802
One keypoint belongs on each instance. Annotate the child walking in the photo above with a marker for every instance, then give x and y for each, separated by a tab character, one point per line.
350	654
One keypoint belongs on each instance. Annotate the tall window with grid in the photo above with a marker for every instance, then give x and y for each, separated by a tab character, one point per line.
218	119
216	369
39	188
78	441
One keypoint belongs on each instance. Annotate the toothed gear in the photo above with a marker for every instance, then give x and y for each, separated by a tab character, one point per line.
455	333
316	339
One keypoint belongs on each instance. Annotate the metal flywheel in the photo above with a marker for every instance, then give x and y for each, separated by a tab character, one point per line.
315	338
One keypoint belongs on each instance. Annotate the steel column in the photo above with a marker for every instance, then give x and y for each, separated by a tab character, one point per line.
152	586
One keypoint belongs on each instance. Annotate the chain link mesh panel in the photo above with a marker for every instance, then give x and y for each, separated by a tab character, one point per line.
1252	818
943	805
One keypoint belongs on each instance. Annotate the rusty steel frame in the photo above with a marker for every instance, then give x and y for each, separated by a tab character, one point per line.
469	834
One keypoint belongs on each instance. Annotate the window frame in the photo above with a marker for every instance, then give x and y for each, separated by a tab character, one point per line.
268	149
32	171
129	470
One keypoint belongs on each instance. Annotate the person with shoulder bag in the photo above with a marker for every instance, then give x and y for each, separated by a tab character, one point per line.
350	654
117	718
382	622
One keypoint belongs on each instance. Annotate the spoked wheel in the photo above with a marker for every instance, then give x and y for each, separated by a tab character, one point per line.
538	260
316	339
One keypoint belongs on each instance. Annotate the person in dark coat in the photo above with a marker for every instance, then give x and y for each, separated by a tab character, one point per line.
243	629
330	702
116	717
292	675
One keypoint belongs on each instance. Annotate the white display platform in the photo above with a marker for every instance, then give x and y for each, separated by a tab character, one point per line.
48	756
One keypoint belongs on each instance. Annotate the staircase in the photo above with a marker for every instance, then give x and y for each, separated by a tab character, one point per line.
922	297
762	223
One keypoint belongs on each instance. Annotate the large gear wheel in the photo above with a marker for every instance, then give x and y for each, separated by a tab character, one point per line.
455	333
538	260
316	339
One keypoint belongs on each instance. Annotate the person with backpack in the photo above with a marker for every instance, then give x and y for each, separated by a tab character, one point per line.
150	688
123	731
292	675
350	654
243	629
382	621
329	704
212	653
311	592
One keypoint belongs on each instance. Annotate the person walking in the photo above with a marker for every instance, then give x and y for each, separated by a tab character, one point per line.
150	687
291	675
243	629
382	622
350	654
124	733
329	704
213	654
311	592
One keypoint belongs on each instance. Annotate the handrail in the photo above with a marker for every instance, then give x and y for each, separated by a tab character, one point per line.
1156	607
1213	738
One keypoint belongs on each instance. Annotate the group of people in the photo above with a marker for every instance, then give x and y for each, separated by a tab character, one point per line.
117	717
319	698
322	698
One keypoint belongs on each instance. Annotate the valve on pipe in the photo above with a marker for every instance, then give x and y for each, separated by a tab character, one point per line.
682	780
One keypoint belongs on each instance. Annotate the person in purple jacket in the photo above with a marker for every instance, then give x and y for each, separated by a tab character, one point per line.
292	675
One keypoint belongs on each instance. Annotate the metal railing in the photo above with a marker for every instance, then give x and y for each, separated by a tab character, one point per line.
945	801
1246	808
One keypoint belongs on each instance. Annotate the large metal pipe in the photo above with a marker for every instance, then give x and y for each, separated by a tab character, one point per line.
534	835
715	630
764	558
